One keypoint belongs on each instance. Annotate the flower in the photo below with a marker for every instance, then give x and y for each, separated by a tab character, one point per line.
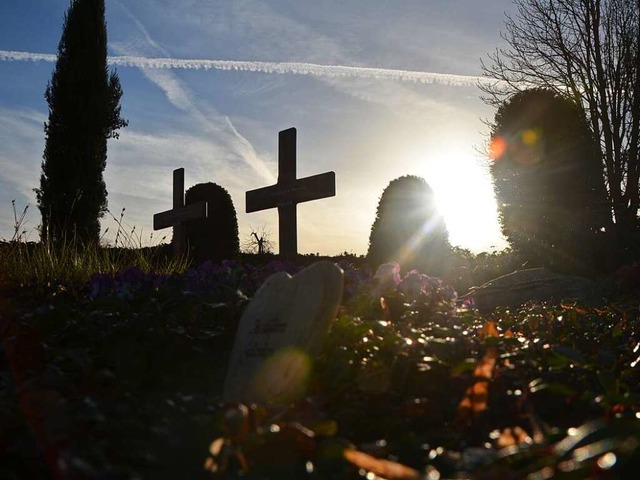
128	282
386	279
388	274
414	284
100	285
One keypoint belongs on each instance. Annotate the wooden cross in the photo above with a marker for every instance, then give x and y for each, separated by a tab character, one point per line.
179	214
289	191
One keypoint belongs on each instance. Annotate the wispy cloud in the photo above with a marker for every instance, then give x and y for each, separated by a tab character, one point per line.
293	68
22	146
249	153
22	143
181	96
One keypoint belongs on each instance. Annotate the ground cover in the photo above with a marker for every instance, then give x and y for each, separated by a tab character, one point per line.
120	377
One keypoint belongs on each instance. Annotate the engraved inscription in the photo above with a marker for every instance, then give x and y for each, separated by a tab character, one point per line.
258	352
272	325
259	342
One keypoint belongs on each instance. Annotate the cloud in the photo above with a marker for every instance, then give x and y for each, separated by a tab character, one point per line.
22	143
181	96
294	68
10	56
22	139
249	153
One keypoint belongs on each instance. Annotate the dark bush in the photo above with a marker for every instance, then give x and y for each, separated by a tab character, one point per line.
213	238
408	228
548	181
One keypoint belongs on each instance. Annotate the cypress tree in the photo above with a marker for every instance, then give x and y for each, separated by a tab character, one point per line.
84	111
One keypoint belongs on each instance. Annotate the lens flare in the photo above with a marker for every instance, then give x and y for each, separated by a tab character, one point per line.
497	147
413	247
530	137
283	377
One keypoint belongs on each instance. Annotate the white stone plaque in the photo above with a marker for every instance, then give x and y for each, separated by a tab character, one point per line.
279	334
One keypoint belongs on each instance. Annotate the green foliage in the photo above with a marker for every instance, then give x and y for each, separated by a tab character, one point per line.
465	269
45	265
110	402
548	182
216	237
408	229
84	111
588	51
129	386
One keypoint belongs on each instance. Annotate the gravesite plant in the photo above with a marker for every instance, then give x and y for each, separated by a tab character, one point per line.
123	378
587	51
258	241
213	238
84	111
547	178
408	228
44	266
19	232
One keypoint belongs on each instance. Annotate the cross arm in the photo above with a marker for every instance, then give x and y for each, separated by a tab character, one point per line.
170	218
301	190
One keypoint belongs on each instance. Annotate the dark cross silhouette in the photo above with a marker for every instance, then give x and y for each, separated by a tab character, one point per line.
288	192
179	213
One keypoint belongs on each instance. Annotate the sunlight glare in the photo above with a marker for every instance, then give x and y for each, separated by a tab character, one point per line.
464	195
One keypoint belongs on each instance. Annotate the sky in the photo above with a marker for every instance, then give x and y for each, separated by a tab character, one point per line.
375	89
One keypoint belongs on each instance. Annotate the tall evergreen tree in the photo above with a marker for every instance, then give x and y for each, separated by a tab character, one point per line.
84	111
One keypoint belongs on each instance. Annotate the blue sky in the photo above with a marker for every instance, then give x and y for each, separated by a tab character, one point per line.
221	121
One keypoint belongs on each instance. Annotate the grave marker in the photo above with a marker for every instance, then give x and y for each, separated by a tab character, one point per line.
179	213
288	192
282	329
538	285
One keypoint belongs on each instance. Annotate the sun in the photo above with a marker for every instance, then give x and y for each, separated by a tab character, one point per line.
464	196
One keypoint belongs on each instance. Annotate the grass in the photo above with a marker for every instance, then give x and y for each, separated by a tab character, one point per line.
72	264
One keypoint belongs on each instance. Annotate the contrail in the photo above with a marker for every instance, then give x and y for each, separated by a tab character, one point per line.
295	68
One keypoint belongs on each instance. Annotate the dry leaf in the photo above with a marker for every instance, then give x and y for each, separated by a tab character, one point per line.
476	397
382	468
513	436
488	330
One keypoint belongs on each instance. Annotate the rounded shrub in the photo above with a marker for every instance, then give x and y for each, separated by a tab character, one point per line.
408	228
213	238
547	177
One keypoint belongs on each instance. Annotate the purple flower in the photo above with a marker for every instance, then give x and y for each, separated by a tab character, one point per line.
355	279
128	282
386	279
158	280
414	285
100	285
388	274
